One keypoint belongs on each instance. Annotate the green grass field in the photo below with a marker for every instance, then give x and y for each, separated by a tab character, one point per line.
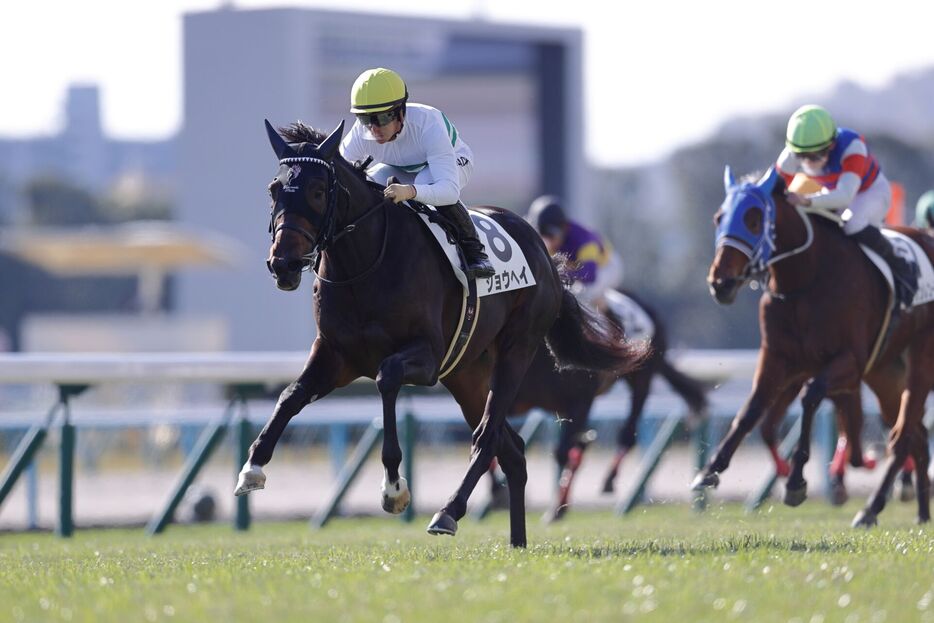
663	563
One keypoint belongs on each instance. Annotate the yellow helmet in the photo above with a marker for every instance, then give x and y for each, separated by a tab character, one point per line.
377	90
810	129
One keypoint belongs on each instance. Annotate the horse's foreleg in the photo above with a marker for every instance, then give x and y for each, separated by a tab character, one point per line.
769	382
323	371
570	452
414	365
796	487
769	427
513	360
639	383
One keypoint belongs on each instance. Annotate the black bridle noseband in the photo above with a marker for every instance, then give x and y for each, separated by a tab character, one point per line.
326	224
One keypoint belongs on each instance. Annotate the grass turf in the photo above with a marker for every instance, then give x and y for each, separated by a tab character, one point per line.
662	563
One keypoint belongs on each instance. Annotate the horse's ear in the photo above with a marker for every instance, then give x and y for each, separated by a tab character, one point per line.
328	146
278	143
767	182
728	180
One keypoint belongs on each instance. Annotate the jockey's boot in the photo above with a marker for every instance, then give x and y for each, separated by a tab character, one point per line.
478	264
904	272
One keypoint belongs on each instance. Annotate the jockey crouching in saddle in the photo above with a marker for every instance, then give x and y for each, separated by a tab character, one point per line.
853	184
421	148
595	266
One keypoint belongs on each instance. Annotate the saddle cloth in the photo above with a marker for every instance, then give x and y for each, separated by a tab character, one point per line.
512	273
512	268
907	248
637	324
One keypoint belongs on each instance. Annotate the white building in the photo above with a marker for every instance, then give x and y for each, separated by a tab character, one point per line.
514	92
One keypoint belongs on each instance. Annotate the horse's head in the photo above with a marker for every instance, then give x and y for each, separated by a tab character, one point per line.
304	202
745	235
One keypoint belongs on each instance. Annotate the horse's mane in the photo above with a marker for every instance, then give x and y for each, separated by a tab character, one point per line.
781	188
755	176
300	132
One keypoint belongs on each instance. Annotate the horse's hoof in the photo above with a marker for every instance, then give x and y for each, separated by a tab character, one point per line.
922	520
442	523
795	497
396	496
251	478
705	481
865	519
838	494
555	514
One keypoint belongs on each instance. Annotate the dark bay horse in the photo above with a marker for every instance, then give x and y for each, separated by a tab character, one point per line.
386	305
820	317
570	394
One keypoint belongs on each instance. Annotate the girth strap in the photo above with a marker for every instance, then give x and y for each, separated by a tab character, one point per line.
470	313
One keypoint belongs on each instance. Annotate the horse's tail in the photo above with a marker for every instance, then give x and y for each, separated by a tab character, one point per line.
581	338
690	389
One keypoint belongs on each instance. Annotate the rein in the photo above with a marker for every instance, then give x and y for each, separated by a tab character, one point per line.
350	228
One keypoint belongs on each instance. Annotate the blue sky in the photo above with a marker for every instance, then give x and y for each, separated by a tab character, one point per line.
657	74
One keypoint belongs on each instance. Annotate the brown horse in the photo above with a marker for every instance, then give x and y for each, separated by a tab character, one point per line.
821	315
571	393
387	304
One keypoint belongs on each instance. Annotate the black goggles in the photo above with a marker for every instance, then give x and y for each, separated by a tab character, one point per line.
814	156
378	118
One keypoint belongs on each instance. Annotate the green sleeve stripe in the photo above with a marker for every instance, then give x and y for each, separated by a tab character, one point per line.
452	131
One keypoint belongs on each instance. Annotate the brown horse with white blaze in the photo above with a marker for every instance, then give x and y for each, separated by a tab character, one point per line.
821	316
387	305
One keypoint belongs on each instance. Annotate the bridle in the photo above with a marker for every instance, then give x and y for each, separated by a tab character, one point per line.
759	255
325	224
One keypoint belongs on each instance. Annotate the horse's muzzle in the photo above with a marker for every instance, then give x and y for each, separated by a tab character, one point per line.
724	289
287	273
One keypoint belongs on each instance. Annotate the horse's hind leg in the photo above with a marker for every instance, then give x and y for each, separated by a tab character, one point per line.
640	382
512	460
414	365
908	437
323	371
516	349
922	454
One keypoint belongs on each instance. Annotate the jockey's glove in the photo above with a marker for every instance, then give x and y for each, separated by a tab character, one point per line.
399	192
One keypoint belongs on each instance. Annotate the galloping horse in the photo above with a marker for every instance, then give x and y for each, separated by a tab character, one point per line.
571	393
387	304
821	317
